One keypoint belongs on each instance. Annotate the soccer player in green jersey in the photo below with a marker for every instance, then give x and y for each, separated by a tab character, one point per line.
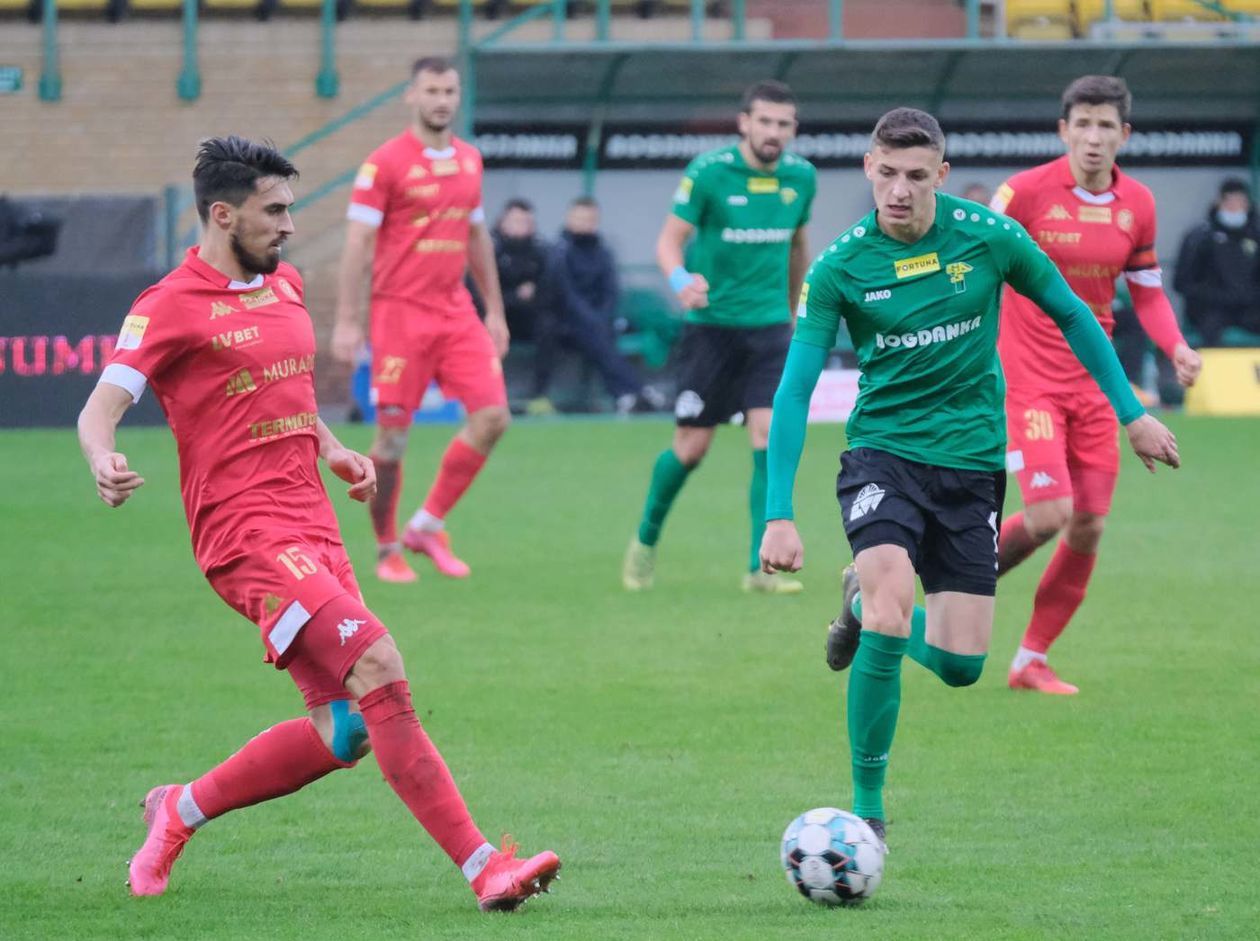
918	283
746	207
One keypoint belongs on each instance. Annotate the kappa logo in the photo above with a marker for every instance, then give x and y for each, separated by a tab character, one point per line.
689	405
1058	213
867	501
348	628
1041	480
219	309
417	172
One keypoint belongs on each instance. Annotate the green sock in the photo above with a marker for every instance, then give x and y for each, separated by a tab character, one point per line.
757	508
874	700
668	475
956	669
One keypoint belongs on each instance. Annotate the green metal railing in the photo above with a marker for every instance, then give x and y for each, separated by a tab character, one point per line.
50	76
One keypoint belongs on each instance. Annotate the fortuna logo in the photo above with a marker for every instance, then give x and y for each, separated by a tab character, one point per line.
913	267
348	628
926	337
957	272
1041	479
867	501
1058	213
884	295
756	236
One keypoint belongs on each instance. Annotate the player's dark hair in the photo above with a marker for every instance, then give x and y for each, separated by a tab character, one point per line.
517	202
776	93
228	168
1098	90
586	202
902	128
435	64
1233	184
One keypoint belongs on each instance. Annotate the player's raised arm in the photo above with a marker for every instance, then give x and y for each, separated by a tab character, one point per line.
1145	279
818	320
98	422
352	285
798	262
485	275
1034	275
692	289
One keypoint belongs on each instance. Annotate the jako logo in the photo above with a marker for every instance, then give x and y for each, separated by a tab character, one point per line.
926	337
867	501
878	296
348	628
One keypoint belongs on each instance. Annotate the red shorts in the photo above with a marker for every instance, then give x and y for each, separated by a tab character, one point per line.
412	347
301	592
1063	444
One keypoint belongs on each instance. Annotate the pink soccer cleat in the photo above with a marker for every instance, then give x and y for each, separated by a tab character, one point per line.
150	868
394	568
507	882
437	546
1037	675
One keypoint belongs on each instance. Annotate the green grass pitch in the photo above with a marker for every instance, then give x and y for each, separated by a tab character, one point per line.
659	743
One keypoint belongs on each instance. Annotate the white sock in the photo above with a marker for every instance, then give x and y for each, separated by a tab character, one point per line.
477	861
188	810
426	522
387	548
1024	656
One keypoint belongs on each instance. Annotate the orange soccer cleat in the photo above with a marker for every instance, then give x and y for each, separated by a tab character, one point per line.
506	882
437	546
394	568
1037	675
150	869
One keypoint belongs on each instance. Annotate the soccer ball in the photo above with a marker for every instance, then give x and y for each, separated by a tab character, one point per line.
832	857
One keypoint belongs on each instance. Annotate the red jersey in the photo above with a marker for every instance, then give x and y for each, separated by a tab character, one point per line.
232	367
1092	238
422	202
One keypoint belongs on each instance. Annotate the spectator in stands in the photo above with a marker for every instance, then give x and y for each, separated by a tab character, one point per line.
522	259
1218	269
978	193
584	275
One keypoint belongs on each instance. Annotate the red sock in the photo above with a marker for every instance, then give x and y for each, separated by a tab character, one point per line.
1014	543
415	770
460	464
1060	593
384	506
275	762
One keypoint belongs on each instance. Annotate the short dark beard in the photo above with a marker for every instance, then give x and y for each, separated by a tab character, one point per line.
253	264
435	128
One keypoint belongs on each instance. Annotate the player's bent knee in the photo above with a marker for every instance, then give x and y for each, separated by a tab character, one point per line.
380	664
486	426
390	444
349	733
960	670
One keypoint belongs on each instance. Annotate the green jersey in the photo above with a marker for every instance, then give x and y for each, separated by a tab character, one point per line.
745	220
923	319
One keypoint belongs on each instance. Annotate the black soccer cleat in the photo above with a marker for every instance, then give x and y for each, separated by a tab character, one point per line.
878	828
845	631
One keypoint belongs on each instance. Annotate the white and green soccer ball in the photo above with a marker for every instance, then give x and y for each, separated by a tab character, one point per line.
832	857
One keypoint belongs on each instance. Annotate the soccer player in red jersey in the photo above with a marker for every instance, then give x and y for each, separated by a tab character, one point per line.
416	216
227	346
1097	224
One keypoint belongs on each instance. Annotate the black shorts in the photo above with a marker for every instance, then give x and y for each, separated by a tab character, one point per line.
724	370
947	520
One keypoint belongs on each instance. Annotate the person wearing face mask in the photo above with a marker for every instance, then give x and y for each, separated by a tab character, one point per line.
521	257
1218	269
586	292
